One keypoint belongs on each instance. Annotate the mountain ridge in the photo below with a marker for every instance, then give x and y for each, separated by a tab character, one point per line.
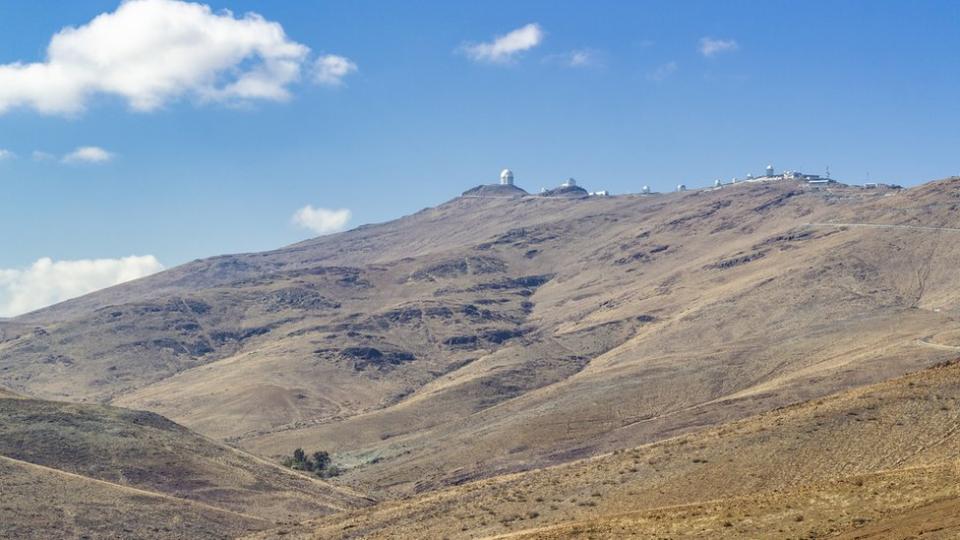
518	333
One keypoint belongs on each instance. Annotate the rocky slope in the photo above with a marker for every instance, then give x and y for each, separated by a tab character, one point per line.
876	462
493	335
75	470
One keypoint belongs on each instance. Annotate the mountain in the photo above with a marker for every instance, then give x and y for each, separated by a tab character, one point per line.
874	462
78	469
41	503
494	335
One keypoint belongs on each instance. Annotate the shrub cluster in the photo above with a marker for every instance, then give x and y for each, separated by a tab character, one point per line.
319	463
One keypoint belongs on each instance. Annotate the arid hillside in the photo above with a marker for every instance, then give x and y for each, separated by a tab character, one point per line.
876	462
494	335
71	470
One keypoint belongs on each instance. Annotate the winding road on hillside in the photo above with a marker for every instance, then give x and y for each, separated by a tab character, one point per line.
937	345
883	226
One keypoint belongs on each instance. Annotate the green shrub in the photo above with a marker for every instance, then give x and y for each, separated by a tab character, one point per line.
319	462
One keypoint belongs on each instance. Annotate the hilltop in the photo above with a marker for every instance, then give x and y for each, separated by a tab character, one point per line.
72	469
489	336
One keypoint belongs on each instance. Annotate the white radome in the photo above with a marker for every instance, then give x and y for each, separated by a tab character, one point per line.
506	177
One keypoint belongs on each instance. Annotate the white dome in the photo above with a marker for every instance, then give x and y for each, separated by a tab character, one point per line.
646	189
569	182
506	177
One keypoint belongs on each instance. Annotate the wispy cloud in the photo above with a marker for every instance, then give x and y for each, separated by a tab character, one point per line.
330	69
47	282
663	72
88	154
578	58
322	220
711	47
581	58
6	154
505	48
150	52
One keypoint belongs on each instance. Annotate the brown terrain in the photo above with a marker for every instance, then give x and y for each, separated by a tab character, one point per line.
79	470
881	458
498	341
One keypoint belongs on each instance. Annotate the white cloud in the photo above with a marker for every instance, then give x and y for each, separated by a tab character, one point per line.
505	48
710	47
6	154
39	155
663	72
149	52
576	59
88	154
47	282
580	58
322	220
330	69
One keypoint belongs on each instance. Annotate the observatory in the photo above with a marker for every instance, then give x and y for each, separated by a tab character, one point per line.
504	189
681	187
645	190
568	189
769	171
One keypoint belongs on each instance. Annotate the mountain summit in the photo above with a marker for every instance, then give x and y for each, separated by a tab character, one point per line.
492	335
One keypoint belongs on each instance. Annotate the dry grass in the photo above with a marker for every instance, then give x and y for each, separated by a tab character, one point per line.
41	503
78	469
825	467
487	337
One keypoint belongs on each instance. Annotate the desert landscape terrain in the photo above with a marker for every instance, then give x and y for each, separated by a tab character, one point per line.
768	359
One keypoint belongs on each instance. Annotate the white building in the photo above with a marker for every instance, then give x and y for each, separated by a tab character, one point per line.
506	177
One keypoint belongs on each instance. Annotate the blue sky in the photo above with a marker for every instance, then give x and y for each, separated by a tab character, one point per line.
866	87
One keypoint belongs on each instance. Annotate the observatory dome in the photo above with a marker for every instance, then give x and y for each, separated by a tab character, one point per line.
506	177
